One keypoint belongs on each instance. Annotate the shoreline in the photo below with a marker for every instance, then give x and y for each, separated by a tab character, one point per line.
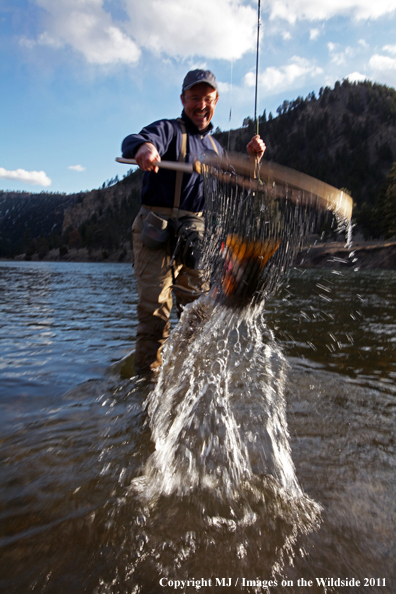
362	254
379	255
78	255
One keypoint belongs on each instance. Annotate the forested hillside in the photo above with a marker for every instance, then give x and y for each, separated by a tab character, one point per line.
100	219
32	221
346	137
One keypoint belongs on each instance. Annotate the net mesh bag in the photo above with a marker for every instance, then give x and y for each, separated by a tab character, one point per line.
257	219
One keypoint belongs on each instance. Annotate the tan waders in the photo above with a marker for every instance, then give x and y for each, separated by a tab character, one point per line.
154	282
155	279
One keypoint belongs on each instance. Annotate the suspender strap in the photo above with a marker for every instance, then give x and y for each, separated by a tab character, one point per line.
179	174
182	158
214	145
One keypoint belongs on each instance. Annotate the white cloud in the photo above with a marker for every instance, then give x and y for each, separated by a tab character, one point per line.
314	34
356	77
378	62
290	76
312	10
224	29
383	68
76	167
390	48
88	29
340	58
224	87
34	178
164	27
26	42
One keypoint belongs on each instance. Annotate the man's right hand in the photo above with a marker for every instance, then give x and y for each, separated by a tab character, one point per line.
145	157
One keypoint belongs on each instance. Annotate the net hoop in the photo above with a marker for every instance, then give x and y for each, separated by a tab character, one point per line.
282	182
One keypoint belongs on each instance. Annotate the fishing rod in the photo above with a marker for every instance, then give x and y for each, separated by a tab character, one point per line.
256	117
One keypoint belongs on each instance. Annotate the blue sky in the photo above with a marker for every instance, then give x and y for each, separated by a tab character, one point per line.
77	76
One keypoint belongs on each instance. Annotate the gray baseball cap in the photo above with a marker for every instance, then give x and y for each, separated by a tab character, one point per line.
194	77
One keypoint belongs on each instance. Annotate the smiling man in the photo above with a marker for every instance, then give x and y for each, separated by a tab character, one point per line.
170	196
199	99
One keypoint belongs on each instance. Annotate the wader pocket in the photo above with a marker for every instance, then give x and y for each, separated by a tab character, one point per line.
155	231
188	234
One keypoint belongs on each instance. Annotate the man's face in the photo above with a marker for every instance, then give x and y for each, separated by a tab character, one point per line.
199	104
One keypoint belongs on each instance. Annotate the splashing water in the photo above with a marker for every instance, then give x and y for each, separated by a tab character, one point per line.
220	480
221	467
214	425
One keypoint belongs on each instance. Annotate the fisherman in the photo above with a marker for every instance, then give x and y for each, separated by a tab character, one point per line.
167	194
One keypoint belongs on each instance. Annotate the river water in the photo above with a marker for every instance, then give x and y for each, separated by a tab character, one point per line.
262	458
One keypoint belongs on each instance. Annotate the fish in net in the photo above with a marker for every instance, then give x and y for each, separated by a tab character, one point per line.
257	219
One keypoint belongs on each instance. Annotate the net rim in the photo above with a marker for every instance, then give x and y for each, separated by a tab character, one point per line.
279	181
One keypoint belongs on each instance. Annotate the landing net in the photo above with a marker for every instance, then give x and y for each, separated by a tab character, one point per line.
257	219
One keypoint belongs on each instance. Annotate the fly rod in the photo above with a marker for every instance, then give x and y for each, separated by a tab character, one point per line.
256	117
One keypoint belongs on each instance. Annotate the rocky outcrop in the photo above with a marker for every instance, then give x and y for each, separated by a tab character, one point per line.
77	214
96	202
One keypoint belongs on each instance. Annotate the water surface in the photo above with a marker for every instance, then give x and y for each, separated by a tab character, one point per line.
264	451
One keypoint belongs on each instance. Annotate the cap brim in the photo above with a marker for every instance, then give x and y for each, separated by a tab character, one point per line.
198	82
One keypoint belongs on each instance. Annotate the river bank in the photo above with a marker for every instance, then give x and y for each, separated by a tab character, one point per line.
362	254
370	255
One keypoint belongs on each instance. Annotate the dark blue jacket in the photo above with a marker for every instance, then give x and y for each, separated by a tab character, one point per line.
158	189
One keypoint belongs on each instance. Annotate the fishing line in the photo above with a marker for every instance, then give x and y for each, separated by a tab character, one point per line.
230	116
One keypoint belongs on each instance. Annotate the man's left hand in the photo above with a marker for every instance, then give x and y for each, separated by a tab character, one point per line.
256	148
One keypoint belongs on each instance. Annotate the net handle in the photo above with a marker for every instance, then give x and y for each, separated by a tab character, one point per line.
243	172
174	165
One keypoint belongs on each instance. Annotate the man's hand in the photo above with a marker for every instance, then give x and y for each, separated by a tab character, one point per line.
145	157
256	148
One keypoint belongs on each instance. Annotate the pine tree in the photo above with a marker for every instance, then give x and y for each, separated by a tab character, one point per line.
386	205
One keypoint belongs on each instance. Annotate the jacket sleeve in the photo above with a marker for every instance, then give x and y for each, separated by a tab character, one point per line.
159	133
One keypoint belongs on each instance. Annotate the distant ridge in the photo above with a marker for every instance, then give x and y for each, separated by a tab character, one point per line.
346	137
